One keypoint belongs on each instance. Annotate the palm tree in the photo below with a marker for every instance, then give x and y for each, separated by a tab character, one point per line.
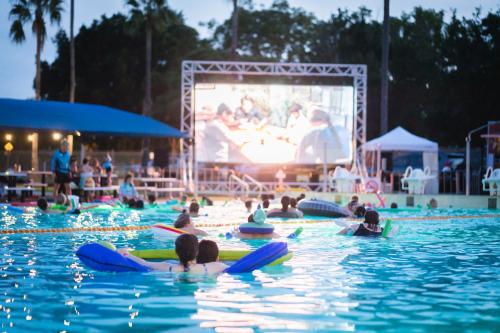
150	13
385	71
33	11
72	84
234	31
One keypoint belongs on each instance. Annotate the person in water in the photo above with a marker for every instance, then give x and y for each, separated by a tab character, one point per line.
433	204
259	218
353	204
68	203
187	249
285	203
43	204
181	206
266	203
394	205
248	206
60	166
301	197
360	212
152	200
184	222
194	209
369	228
208	252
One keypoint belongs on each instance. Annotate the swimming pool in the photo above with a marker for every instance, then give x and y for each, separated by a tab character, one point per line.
436	275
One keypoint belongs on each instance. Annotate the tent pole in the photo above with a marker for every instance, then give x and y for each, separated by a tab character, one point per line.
34	151
467	165
325	168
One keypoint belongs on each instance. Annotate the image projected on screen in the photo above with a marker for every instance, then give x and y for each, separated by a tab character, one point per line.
272	123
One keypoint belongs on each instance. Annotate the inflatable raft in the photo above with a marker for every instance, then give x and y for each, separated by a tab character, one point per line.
104	257
317	207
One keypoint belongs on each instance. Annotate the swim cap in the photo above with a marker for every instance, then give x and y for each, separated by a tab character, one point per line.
259	216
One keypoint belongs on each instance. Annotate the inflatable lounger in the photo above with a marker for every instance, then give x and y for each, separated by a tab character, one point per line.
103	258
316	207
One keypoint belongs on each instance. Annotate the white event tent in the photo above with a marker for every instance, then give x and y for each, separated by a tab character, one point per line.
400	139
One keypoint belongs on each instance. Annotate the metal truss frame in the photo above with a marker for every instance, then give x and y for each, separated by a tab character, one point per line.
192	68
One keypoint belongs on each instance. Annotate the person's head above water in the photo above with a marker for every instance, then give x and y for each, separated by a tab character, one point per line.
433	203
182	220
360	211
371	217
301	196
61	199
151	198
265	204
42	204
293	202
208	251
285	202
248	205
394	205
186	248
194	208
354	198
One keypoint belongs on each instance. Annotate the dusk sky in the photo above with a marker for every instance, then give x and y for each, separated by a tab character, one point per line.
17	68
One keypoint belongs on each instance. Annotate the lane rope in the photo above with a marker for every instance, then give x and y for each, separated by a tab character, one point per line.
208	225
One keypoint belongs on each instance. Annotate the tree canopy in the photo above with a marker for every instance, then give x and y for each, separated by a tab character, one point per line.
443	72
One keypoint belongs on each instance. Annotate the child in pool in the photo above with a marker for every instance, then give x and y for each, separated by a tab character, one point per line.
152	200
187	249
259	218
194	209
248	206
369	228
184	222
43	204
208	252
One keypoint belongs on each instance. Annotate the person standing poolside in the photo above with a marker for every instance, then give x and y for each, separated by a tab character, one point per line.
60	166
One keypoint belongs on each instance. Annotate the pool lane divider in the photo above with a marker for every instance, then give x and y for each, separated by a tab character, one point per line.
209	225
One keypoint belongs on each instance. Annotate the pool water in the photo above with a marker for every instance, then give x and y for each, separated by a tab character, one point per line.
434	276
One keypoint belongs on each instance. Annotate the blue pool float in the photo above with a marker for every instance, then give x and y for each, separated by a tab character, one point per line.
102	258
259	258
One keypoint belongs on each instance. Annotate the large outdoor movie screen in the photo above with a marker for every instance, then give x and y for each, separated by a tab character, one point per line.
273	123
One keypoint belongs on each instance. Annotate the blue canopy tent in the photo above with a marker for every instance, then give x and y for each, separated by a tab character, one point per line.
85	118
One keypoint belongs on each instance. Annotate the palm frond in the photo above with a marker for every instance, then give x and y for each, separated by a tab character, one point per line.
17	32
20	12
55	8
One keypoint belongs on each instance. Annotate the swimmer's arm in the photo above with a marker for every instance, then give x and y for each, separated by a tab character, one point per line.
216	267
353	228
197	232
89	207
157	266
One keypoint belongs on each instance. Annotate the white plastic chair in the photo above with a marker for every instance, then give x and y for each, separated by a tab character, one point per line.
415	180
491	181
343	181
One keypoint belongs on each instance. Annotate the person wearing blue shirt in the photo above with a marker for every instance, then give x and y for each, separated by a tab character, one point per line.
60	166
127	189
